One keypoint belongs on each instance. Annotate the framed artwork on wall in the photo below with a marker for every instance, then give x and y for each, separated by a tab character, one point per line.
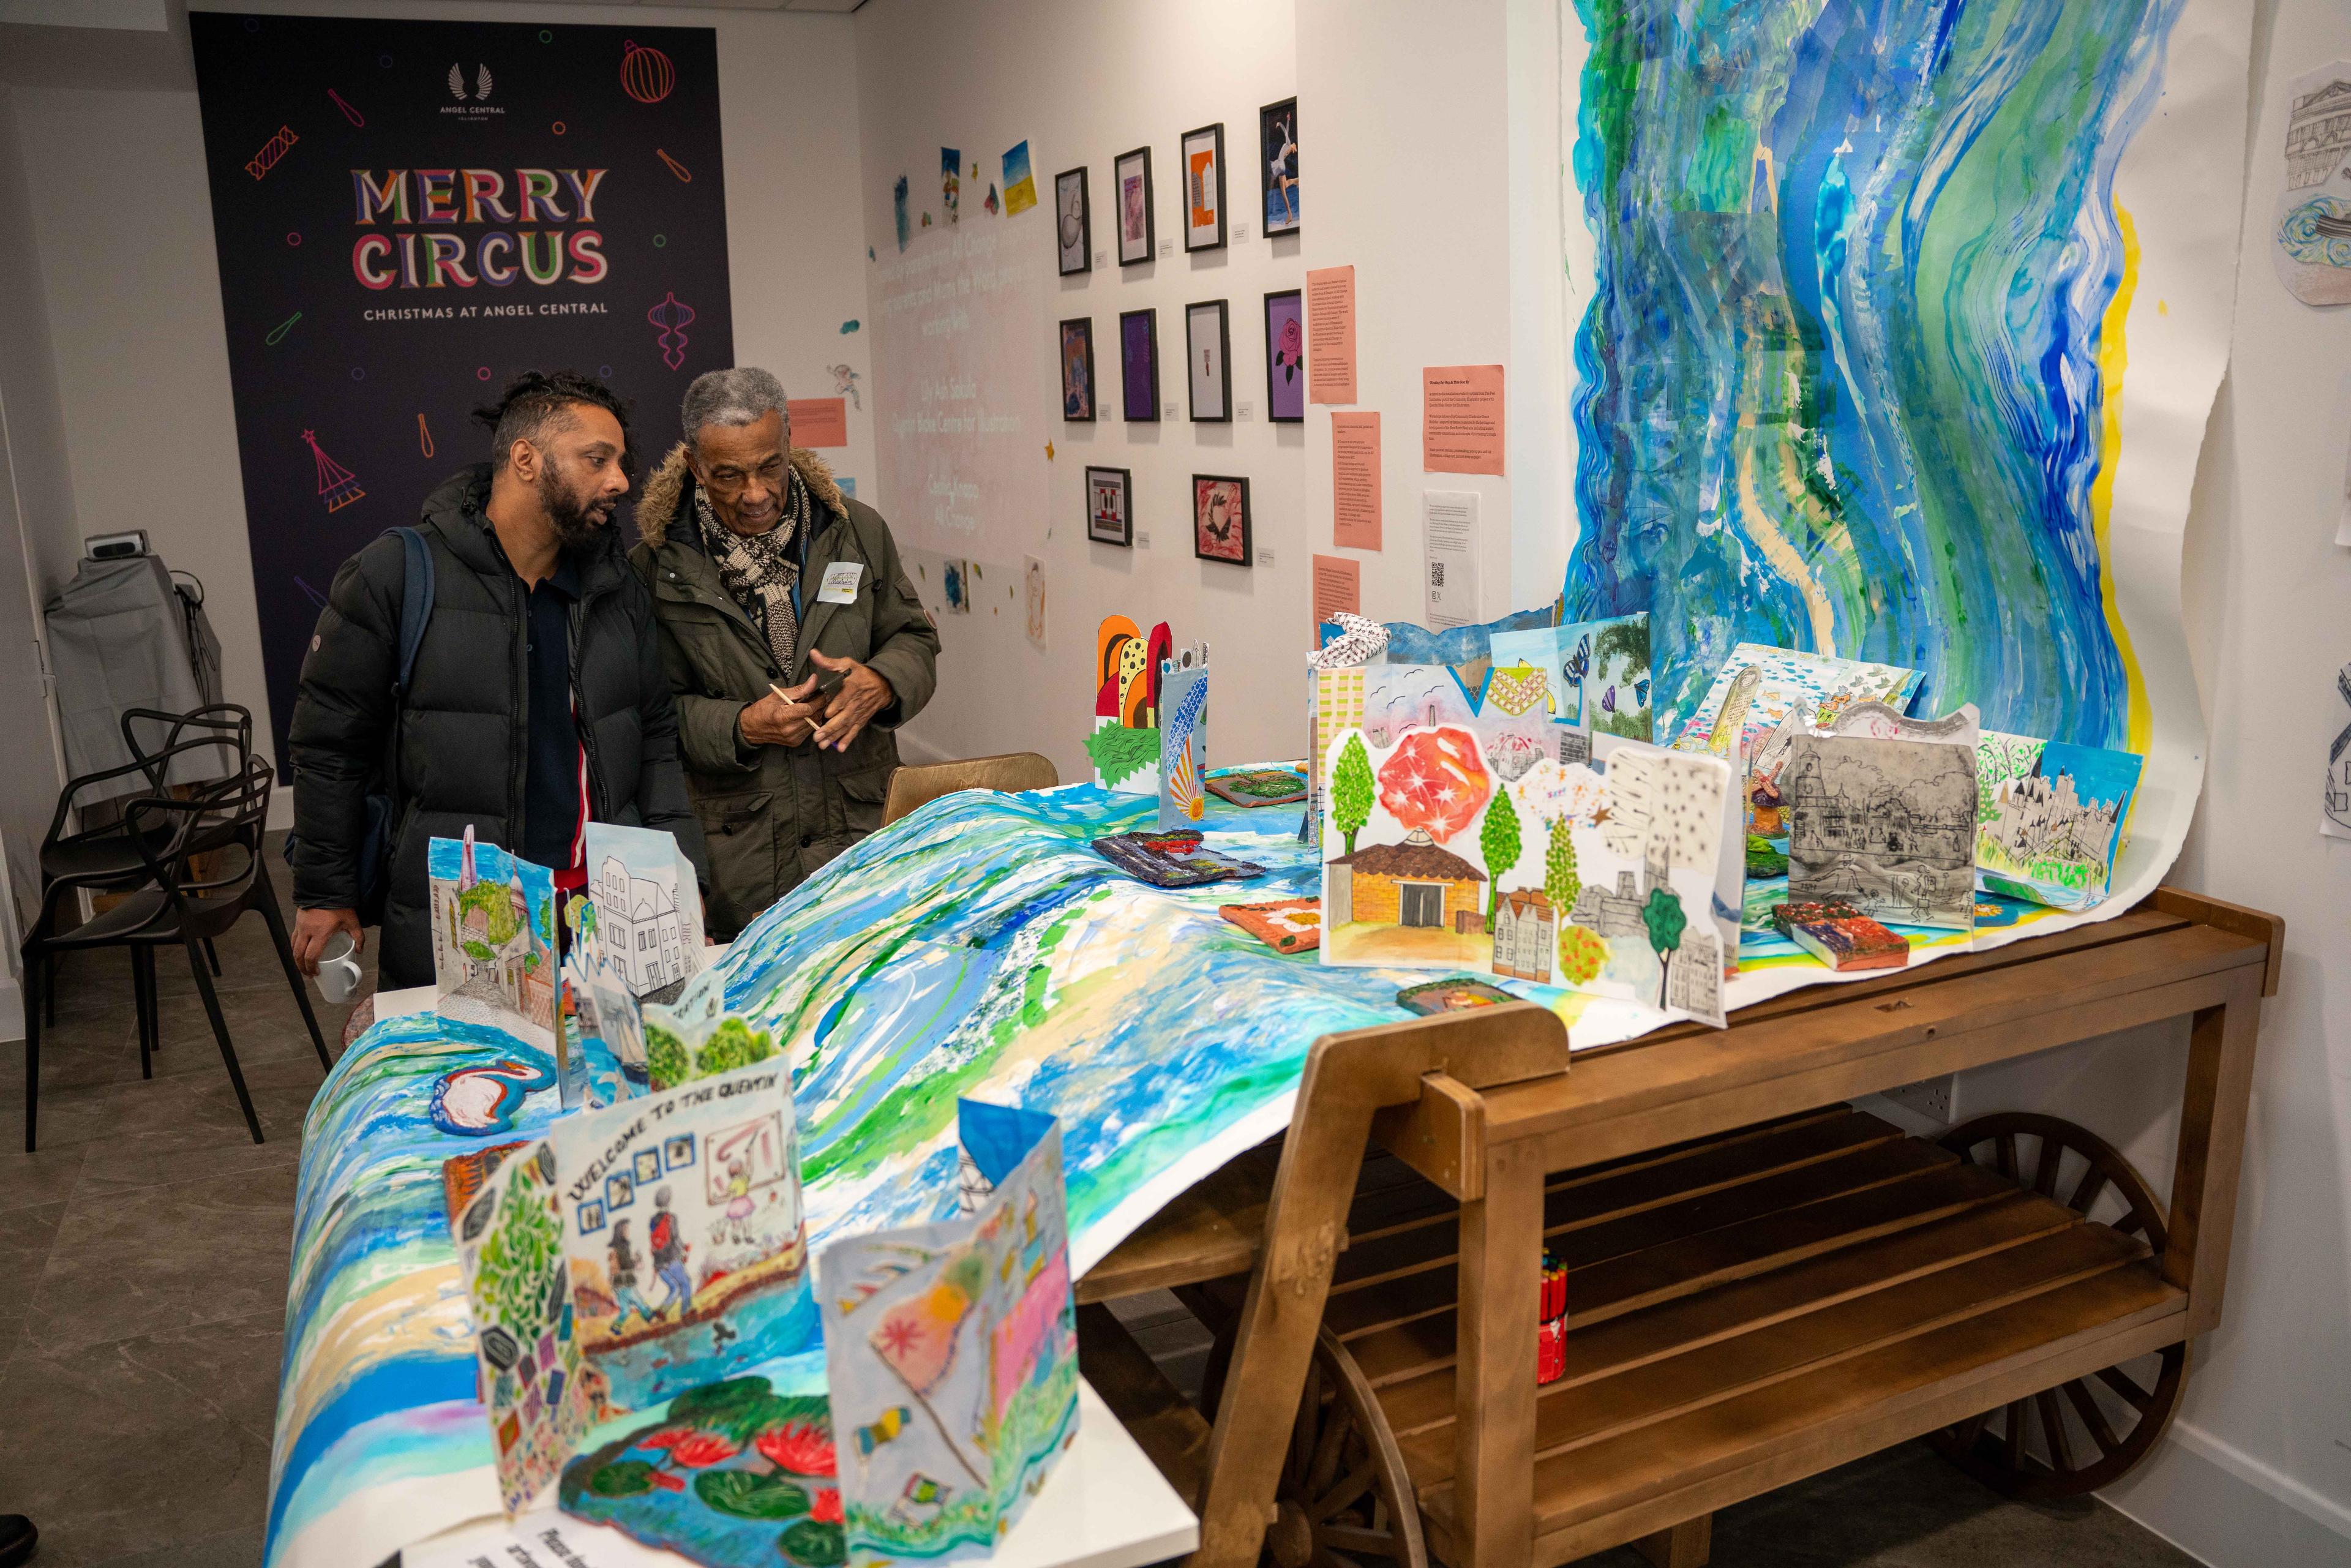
1277	140
1078	369
1204	188
1220	519
1110	519
1208	360
1138	364
1131	173
1074	218
1285	357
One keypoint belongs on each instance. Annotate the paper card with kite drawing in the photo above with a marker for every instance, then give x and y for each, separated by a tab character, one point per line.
510	1246
2051	832
647	907
493	938
682	1222
1597	671
951	1351
1600	876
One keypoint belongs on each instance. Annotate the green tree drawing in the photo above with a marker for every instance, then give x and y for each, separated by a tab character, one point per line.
1498	841
666	1059
1665	922
1351	790
1561	883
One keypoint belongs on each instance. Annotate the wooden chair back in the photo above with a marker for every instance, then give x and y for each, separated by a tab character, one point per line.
918	786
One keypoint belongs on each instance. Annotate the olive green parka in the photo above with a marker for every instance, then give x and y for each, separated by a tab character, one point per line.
773	814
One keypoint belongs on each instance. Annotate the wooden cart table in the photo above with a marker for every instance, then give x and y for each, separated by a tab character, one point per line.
1763	1282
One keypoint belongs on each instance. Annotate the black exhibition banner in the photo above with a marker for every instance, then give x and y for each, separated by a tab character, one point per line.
408	214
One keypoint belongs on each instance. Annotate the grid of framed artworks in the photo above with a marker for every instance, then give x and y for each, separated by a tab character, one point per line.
1221	524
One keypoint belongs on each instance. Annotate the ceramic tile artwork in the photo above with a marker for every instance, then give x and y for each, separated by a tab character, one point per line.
951	1351
2052	833
647	907
510	1248
1889	825
1441	850
492	916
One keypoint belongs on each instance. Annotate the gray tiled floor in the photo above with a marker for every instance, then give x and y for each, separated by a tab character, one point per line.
142	1283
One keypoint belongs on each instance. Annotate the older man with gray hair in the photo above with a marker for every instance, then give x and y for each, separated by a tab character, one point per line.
794	644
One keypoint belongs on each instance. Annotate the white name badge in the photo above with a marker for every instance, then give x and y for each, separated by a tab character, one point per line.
841	582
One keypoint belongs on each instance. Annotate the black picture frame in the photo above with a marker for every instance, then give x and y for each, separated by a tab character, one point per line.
1122	167
1278	395
1138	334
1270	123
1122	533
1078	331
1215	136
1201	495
1064	184
1215	359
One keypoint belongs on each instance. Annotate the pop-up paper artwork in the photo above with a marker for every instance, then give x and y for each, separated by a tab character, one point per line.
648	905
1597	875
695	1036
1254	787
600	1057
951	1352
493	938
1125	743
2051	833
1759	687
684	1224
1597	671
1889	825
1184	740
510	1246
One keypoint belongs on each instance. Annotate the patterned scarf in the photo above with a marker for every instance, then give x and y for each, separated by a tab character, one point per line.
759	570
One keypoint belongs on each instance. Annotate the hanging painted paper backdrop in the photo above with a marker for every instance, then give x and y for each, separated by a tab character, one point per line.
408	215
1894	332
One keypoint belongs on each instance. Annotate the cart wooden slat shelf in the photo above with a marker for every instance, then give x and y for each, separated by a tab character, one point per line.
1762	1281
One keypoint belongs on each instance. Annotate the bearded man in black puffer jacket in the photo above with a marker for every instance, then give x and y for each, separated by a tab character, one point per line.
538	702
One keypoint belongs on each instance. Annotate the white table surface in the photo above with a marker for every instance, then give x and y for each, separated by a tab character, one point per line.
1106	1505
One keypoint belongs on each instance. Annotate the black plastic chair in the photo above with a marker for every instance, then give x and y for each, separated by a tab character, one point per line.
176	906
104	859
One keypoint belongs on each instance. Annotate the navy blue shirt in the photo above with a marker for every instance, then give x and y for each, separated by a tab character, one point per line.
551	784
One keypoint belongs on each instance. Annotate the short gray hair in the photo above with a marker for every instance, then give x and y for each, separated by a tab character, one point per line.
743	395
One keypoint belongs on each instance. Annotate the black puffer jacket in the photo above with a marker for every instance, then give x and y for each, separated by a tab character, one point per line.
465	727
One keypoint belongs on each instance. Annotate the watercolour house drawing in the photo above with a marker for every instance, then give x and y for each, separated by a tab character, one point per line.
1447	848
1889	826
2051	834
648	905
493	938
951	1351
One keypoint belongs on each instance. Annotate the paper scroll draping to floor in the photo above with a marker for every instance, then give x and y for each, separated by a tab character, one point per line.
1894	332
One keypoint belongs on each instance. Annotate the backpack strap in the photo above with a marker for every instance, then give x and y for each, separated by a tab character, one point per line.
415	601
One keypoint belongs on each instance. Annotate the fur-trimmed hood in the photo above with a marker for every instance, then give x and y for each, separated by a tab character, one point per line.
666	488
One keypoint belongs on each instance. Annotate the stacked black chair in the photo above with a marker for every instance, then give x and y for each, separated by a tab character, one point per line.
172	903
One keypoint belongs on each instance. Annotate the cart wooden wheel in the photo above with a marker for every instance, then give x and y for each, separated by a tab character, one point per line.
2075	1438
1344	1499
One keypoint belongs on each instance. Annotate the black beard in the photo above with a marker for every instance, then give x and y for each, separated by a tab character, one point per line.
576	522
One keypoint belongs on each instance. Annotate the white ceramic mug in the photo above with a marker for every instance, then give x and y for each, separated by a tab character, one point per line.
338	976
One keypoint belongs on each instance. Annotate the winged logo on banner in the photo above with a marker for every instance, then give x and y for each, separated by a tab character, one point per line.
457	82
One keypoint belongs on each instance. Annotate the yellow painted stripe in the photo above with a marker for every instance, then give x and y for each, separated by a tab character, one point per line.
2114	357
